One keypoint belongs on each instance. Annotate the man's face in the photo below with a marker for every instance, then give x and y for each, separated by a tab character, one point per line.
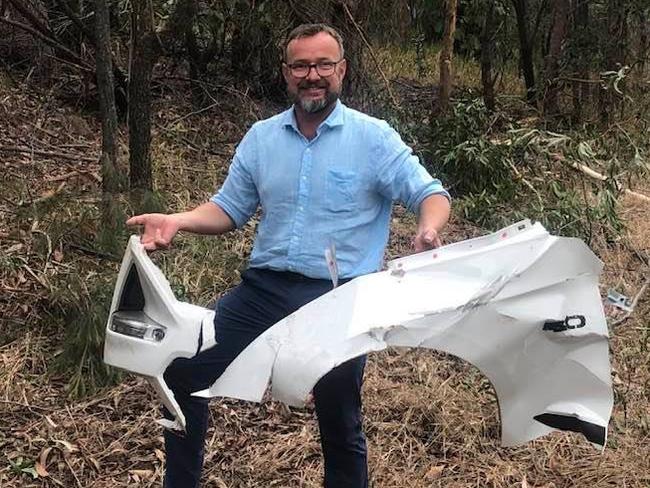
314	92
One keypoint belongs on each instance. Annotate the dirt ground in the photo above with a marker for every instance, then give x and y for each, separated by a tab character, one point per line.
431	420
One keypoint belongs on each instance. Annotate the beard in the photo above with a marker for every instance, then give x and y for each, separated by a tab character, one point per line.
312	106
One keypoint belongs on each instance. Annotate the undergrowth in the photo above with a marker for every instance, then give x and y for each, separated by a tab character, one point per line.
501	168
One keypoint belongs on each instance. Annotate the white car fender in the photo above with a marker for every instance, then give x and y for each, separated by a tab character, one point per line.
521	305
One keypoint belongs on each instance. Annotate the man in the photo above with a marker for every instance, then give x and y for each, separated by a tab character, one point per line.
322	174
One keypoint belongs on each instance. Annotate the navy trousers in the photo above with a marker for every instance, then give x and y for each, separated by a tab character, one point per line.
263	298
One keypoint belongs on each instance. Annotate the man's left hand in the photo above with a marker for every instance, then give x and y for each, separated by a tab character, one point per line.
434	213
426	239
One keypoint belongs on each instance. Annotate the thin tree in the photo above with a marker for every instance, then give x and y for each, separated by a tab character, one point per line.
144	53
146	48
446	55
525	49
558	33
488	35
580	34
644	31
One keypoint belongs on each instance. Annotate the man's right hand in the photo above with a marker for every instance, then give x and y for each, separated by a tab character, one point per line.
159	229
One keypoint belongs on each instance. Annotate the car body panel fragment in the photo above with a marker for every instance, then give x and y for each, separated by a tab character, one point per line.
488	301
519	304
148	327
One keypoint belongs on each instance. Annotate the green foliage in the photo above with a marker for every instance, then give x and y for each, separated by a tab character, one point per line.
83	306
501	172
23	466
465	155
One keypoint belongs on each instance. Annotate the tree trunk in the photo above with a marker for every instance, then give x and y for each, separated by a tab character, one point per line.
581	88
558	32
446	55
487	56
525	49
348	18
644	29
144	54
111	177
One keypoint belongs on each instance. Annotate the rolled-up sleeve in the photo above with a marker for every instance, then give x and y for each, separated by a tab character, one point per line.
400	175
238	196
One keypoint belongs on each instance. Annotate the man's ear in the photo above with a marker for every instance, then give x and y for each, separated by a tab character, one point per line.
343	67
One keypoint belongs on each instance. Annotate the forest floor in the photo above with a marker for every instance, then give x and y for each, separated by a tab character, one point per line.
431	420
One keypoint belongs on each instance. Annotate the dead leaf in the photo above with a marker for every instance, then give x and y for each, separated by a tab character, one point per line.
95	463
434	472
142	473
15	247
159	455
40	470
42	459
67	445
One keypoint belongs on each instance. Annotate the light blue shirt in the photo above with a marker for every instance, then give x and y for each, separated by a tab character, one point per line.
337	188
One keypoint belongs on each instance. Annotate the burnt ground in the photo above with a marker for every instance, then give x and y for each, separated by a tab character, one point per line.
431	420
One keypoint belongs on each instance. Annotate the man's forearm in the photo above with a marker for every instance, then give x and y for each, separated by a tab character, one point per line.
208	218
434	212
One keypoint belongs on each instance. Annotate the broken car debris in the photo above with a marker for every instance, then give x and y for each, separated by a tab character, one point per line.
521	305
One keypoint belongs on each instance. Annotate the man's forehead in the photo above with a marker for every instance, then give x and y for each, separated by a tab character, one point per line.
321	45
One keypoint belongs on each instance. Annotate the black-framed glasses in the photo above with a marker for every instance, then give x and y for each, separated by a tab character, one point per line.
323	68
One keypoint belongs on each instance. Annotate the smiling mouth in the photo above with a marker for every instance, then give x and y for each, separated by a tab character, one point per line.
313	91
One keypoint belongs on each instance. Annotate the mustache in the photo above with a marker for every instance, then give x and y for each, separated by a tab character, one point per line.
304	84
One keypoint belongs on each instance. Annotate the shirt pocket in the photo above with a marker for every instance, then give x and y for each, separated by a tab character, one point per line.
341	190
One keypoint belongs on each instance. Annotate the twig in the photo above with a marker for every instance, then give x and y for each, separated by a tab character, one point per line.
525	181
73	173
27	406
597	176
635	300
93	252
73	58
372	55
38	152
204	109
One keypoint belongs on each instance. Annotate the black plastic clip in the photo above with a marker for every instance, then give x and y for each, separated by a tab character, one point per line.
569	322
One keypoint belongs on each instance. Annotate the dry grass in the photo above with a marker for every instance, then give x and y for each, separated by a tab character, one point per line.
431	419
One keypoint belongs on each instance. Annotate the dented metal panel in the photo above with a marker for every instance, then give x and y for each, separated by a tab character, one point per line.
521	305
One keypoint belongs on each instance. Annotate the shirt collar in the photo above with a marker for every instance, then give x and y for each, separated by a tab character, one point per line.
334	119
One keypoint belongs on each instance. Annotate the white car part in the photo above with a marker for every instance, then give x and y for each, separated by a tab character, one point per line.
148	327
521	305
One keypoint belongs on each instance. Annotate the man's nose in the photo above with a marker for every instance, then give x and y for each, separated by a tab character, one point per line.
312	74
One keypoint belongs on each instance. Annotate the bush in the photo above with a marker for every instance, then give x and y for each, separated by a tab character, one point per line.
500	171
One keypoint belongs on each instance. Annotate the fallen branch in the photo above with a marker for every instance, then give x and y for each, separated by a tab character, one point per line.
39	152
73	173
597	176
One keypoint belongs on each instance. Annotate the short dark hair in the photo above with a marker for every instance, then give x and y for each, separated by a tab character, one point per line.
309	30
